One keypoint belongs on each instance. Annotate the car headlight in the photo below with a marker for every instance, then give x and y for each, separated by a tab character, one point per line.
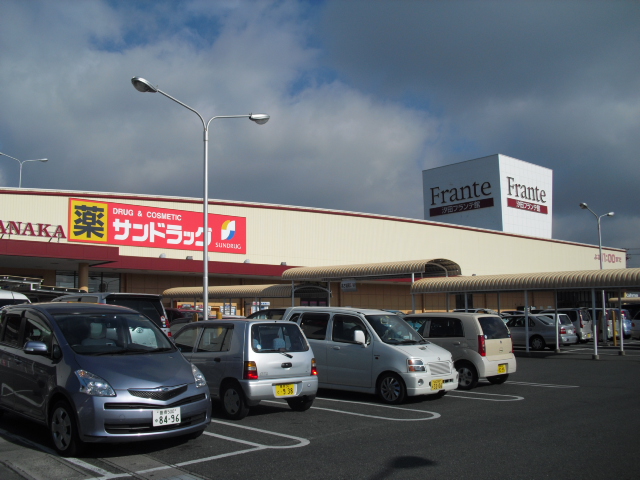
415	365
94	385
198	376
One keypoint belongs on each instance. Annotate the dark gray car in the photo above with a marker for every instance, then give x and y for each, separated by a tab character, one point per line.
97	373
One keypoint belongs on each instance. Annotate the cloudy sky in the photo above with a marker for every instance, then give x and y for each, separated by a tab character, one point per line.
363	96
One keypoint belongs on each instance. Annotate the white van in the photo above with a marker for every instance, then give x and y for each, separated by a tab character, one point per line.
9	297
373	351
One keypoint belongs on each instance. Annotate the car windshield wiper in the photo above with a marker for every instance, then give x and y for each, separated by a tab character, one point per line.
285	354
109	352
408	342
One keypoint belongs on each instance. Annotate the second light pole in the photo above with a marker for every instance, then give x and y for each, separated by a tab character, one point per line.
584	206
144	86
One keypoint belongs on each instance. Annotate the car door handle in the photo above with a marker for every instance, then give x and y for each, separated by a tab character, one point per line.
217	359
336	347
456	343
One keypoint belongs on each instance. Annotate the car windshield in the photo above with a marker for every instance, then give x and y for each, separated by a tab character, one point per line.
562	319
277	337
394	330
112	334
152	308
493	327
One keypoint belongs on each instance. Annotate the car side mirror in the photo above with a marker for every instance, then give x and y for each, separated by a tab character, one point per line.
358	337
35	348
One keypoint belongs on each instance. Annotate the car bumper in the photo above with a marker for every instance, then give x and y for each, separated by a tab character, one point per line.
421	384
125	418
489	368
257	390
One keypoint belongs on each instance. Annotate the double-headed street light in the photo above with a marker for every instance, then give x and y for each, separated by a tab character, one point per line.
584	206
21	162
145	86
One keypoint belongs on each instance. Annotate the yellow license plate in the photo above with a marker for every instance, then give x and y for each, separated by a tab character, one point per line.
502	368
285	390
437	384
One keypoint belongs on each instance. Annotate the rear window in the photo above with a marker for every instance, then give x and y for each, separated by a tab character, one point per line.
493	328
280	337
150	307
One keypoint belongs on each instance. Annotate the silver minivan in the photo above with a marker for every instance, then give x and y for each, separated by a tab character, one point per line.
97	373
246	361
374	351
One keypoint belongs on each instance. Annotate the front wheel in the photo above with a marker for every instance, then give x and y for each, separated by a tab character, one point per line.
498	379
391	389
233	402
64	430
300	404
467	376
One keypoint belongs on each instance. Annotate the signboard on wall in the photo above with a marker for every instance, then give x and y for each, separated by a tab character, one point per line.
111	223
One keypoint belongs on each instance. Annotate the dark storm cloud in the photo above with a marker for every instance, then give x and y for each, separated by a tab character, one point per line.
362	95
552	83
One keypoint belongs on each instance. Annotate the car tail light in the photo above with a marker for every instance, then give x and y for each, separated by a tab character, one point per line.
314	369
511	339
563	330
581	323
250	371
482	346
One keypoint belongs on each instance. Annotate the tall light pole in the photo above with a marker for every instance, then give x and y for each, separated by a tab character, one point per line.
21	162
145	86
584	206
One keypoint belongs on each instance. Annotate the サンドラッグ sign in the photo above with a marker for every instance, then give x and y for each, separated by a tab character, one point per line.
139	226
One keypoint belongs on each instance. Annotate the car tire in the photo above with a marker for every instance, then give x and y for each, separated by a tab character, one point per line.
234	404
467	376
537	343
391	389
64	430
300	404
498	379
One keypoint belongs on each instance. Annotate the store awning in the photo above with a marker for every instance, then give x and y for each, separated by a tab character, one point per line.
232	291
437	267
619	278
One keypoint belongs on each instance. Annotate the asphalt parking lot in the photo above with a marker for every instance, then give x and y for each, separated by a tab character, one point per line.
559	416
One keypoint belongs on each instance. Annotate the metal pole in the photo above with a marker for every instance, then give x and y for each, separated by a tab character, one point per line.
526	318
555	314
595	355
413	297
621	352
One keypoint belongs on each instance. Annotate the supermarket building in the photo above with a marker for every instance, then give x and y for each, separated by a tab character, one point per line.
150	244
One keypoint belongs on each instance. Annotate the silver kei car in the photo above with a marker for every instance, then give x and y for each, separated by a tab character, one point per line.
247	361
542	331
97	373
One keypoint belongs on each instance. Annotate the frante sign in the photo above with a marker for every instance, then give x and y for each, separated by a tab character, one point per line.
496	192
141	226
474	193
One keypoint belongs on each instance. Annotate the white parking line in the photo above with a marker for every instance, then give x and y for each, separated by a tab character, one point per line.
433	416
456	394
545	385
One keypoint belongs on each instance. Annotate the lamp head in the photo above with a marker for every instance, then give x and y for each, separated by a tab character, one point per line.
43	159
610	214
143	85
583	206
259	118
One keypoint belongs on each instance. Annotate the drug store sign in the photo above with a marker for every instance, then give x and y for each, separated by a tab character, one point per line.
140	226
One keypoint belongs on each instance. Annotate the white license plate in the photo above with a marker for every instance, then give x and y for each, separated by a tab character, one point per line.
166	416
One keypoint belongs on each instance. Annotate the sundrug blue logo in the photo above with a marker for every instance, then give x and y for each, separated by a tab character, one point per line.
228	229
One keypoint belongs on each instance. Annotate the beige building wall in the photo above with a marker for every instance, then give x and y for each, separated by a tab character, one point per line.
313	237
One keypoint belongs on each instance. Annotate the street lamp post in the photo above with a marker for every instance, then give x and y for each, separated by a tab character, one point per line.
584	206
145	86
21	162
